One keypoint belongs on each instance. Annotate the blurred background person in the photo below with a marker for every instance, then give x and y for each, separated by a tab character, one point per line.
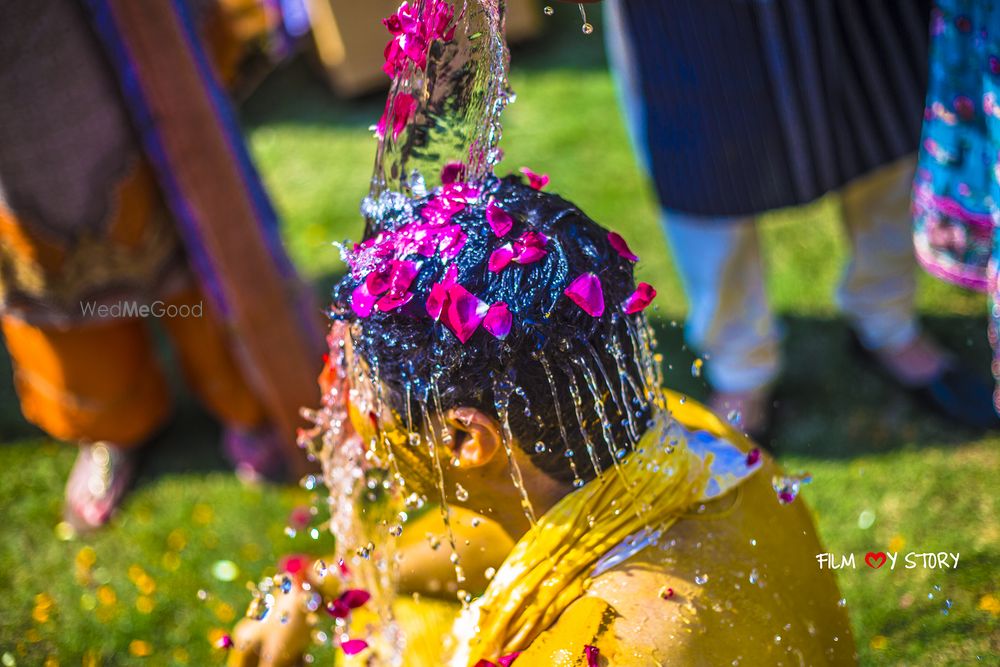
957	185
740	107
125	184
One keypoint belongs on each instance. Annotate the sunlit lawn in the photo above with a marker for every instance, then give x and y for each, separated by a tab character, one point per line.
886	475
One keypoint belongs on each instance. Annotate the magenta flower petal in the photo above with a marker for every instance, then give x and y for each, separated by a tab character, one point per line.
392	301
224	642
450	275
377	282
354	646
621	247
362	301
499	220
640	298
753	456
593	655
452	243
452	172
401	275
533	239
483	662
436	300
404	107
508	660
338	609
355	597
460	192
501	257
530	255
586	292
463	312
498	320
536	181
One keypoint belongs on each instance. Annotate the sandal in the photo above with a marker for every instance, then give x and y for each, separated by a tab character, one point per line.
101	476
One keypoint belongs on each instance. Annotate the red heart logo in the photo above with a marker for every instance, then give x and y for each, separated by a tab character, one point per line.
875	560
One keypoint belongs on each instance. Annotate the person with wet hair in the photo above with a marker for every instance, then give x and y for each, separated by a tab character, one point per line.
499	363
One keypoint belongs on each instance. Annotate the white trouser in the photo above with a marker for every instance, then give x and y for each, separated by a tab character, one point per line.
730	320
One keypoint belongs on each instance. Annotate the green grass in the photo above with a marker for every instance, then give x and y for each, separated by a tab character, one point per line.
928	486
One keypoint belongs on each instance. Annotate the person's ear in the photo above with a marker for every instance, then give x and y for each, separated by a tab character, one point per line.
476	436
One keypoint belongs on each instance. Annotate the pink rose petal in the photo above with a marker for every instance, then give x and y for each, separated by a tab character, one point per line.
501	257
338	609
533	239
401	275
621	247
299	518
640	298
536	181
451	172
362	301
452	243
354	597
403	110
463	312
498	320
435	301
377	282
499	220
391	302
354	646
593	655
530	255
586	292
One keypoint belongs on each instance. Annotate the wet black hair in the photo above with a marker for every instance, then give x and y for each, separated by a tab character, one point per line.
416	356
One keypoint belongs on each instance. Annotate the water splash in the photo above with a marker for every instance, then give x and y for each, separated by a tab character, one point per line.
457	101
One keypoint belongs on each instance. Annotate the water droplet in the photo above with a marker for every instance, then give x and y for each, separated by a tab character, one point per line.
539	447
225	570
489	572
754	576
475	522
202	594
290	532
696	368
587	29
549	11
866	519
414	501
700	579
621	454
461	495
842	602
578	483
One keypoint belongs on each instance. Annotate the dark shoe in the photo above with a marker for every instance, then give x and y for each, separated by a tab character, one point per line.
955	392
257	454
